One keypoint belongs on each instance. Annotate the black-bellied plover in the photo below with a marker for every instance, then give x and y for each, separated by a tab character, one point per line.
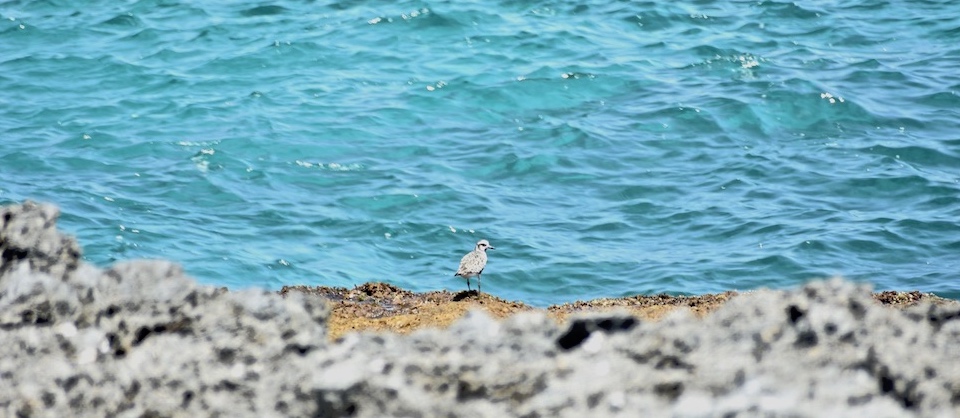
473	263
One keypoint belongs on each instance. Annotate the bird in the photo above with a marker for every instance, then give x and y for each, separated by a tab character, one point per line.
473	263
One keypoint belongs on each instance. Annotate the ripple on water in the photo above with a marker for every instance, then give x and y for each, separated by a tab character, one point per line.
605	148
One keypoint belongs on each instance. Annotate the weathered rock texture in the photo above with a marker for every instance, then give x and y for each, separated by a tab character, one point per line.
140	339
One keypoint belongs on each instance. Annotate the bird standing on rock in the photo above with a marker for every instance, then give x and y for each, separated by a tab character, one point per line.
473	263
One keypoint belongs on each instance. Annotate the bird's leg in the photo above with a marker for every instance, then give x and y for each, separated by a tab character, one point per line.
478	284
468	284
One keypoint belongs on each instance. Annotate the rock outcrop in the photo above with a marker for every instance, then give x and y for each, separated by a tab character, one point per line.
141	339
138	339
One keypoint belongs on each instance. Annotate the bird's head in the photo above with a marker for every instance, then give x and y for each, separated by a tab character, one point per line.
484	245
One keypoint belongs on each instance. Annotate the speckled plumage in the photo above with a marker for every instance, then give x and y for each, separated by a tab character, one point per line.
473	263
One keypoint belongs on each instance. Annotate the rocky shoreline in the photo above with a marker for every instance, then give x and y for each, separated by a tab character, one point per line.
140	339
378	307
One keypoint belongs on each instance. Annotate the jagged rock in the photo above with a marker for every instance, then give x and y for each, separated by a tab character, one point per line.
142	339
28	235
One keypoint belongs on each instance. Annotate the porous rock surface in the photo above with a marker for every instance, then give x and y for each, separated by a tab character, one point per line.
140	339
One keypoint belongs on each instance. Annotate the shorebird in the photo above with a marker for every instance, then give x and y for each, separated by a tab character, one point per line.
473	263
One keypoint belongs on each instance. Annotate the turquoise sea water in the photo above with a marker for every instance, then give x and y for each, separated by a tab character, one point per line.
606	148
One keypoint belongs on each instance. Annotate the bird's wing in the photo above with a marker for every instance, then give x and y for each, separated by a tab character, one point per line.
470	259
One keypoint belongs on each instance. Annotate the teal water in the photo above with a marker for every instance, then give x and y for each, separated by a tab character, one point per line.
605	148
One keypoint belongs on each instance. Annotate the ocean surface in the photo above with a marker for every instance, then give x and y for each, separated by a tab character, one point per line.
605	148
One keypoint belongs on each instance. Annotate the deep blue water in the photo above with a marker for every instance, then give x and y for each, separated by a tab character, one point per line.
606	148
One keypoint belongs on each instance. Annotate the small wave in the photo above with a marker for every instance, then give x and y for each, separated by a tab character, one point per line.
267	10
330	166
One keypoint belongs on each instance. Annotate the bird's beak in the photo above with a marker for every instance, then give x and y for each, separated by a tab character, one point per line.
491	248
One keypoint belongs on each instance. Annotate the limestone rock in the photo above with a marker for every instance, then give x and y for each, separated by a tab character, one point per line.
139	338
142	339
